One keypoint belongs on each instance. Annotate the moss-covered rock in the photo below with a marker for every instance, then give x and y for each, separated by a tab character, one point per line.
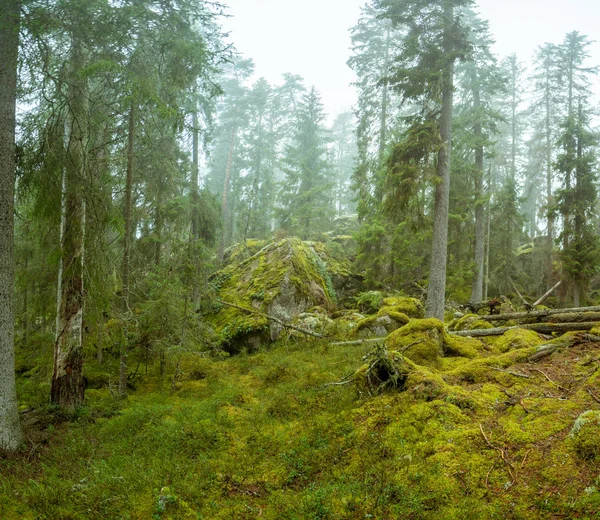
412	307
470	322
381	324
426	341
284	279
239	252
585	435
516	339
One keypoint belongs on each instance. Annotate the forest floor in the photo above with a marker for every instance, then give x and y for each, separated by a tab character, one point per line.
266	435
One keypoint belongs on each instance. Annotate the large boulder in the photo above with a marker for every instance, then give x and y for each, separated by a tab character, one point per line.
284	279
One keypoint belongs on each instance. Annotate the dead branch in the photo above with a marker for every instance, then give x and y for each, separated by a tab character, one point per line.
593	395
272	318
547	377
547	295
525	302
516	374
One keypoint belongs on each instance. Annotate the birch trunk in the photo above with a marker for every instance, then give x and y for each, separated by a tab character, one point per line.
436	295
10	427
67	379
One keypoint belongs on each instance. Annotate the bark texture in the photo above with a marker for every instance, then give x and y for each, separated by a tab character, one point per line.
125	275
477	289
436	296
67	378
10	428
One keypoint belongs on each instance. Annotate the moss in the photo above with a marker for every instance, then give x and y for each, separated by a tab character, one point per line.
585	435
289	271
516	339
412	307
461	347
471	322
420	340
482	369
426	341
382	323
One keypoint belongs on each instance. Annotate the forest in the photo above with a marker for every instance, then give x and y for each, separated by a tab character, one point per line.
218	300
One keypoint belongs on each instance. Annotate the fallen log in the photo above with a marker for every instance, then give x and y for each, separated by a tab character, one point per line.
542	328
272	318
537	314
357	342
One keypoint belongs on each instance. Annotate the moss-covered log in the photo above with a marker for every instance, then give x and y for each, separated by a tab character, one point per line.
542	328
539	314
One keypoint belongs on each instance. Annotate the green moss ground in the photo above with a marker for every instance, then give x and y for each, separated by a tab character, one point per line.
263	436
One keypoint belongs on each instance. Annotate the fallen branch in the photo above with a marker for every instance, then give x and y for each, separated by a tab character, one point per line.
547	295
593	395
542	328
516	374
525	302
547	377
272	318
501	451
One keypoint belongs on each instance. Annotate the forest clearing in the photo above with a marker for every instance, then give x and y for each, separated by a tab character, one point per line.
223	298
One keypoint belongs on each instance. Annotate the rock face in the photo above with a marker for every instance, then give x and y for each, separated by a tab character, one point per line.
284	279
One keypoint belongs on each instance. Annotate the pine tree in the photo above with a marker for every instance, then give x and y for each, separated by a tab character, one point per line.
10	428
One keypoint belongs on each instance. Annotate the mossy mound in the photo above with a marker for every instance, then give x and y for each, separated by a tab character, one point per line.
381	324
515	339
283	280
426	341
585	435
412	307
471	322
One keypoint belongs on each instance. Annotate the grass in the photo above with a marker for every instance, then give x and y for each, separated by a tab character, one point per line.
264	436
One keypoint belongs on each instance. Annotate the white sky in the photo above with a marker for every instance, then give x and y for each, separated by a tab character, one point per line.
311	37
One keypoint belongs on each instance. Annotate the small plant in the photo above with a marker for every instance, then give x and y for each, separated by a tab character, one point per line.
370	302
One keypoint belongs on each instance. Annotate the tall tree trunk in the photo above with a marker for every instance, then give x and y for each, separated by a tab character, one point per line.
477	289
549	197
384	101
126	268
158	224
67	378
10	427
195	214
436	295
226	189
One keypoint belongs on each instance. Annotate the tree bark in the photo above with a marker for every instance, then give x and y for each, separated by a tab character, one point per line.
542	328
436	295
126	268
10	427
477	289
226	187
67	379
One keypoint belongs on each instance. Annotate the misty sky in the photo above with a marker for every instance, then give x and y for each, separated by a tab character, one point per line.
311	37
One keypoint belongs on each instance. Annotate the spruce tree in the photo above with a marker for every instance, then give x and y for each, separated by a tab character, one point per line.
305	196
435	39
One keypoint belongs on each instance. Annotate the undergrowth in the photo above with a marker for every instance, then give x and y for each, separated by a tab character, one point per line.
269	436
